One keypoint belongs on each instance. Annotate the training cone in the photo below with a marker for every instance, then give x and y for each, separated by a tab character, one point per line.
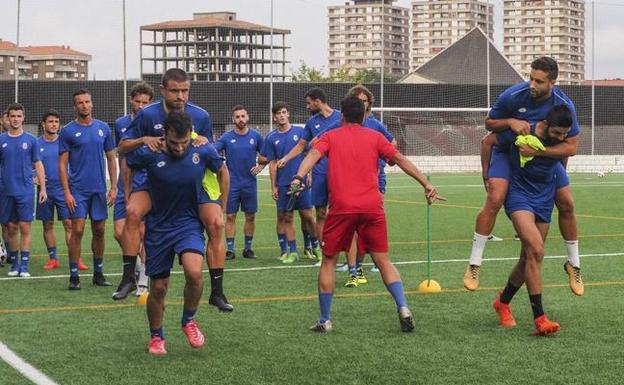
429	286
143	298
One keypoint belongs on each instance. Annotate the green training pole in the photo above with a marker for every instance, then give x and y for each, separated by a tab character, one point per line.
429	245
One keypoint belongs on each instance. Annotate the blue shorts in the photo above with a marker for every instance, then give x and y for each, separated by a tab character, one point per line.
501	168
119	210
90	204
203	197
382	181
161	248
17	209
245	197
45	211
542	209
320	192
303	202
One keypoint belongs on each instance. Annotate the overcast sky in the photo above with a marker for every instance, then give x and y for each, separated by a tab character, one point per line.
96	27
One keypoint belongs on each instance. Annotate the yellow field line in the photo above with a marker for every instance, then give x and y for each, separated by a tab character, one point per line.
59	309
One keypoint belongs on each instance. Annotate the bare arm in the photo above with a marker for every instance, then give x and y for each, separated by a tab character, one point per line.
309	161
223	176
273	177
563	150
69	198
129	145
410	169
43	194
112	172
298	149
127	174
520	127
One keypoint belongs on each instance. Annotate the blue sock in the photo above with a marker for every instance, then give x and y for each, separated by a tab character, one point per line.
230	244
98	262
307	242
187	316
248	240
25	261
52	253
325	300
352	270
292	246
157	332
396	289
314	243
73	269
14	258
358	264
281	239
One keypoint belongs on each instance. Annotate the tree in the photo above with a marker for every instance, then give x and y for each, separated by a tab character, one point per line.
307	73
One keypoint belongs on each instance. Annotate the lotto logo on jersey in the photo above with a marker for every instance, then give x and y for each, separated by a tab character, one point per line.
78	134
158	127
41	150
317	125
195	158
4	145
160	164
25	146
522	110
233	141
277	142
100	133
251	141
124	129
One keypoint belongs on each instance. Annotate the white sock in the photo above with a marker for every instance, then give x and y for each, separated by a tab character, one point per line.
573	253
142	277
478	246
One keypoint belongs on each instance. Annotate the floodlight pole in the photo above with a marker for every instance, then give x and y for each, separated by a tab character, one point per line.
383	61
593	75
125	62
271	72
17	45
487	51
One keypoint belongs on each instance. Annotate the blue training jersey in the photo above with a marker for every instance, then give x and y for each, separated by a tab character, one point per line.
314	127
174	183
150	121
375	124
276	145
49	155
536	179
17	156
86	146
139	176
240	155
516	102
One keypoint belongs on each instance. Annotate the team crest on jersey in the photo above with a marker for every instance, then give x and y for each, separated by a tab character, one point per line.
251	141
78	134
100	133
4	145
233	141
25	146
41	150
124	129
158	127
160	164
522	110
295	138
277	142
317	125
195	158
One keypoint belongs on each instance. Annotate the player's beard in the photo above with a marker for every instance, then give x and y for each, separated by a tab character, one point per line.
51	132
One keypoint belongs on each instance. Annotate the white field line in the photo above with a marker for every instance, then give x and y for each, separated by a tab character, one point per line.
26	369
289	267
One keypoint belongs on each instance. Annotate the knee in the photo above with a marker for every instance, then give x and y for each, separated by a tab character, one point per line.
158	290
321	214
230	219
565	205
194	278
98	231
134	216
77	232
287	218
214	225
534	252
250	218
494	202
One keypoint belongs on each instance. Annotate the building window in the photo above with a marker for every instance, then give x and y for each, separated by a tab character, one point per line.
49	75
35	76
49	62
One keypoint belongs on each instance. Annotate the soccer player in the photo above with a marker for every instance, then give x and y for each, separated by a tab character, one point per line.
49	153
277	144
354	259
529	204
147	129
85	145
141	95
516	109
241	147
323	118
3	253
356	203
19	154
173	225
